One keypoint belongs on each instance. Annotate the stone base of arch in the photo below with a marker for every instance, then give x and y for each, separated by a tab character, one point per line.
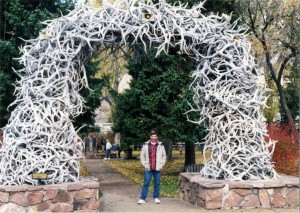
65	197
227	194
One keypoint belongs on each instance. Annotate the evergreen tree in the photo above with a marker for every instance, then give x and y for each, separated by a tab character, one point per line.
22	19
142	108
157	99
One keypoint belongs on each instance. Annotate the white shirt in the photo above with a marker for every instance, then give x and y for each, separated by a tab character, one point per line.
108	145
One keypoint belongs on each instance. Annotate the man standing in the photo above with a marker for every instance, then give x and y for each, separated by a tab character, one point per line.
153	158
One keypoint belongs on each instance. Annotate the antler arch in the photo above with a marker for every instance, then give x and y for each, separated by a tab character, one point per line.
40	136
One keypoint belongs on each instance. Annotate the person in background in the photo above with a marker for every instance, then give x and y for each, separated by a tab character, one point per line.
180	149
95	148
118	148
114	147
86	144
108	148
90	143
103	144
153	158
80	146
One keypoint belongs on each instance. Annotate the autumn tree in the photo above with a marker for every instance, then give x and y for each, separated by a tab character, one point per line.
275	26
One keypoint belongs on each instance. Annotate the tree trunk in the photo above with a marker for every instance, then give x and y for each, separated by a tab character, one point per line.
189	153
277	80
287	112
168	147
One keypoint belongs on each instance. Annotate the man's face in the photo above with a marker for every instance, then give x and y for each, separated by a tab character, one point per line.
153	137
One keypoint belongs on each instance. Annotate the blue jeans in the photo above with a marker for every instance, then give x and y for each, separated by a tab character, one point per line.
107	154
147	179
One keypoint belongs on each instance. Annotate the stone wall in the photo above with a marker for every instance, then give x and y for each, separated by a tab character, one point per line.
67	197
226	194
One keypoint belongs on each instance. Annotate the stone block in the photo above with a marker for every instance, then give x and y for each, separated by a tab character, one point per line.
199	202
292	198
12	207
86	205
50	194
75	187
18	198
91	185
182	185
213	199
264	198
21	188
34	197
44	206
213	185
214	194
192	197
181	195
187	186
186	196
61	186
255	191
259	185
61	207
202	193
250	201
32	209
290	181
239	185
84	194
270	191
35	188
232	199
4	197
277	200
283	191
243	192
63	196
52	187
274	184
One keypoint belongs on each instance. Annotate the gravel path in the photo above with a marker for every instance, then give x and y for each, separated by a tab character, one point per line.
120	194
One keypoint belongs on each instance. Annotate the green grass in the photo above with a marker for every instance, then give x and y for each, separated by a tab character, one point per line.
169	175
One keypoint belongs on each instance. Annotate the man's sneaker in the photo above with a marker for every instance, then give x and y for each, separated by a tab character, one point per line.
157	201
105	158
141	201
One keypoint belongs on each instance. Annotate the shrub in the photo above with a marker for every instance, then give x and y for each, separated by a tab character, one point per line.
286	154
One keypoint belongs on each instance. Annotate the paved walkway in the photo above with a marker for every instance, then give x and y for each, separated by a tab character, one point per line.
120	194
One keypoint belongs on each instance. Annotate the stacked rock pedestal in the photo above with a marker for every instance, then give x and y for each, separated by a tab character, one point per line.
66	197
229	194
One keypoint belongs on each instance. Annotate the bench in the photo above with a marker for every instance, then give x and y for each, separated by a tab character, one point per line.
101	156
193	167
112	155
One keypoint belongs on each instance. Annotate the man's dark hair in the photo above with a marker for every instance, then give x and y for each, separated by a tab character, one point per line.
153	132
